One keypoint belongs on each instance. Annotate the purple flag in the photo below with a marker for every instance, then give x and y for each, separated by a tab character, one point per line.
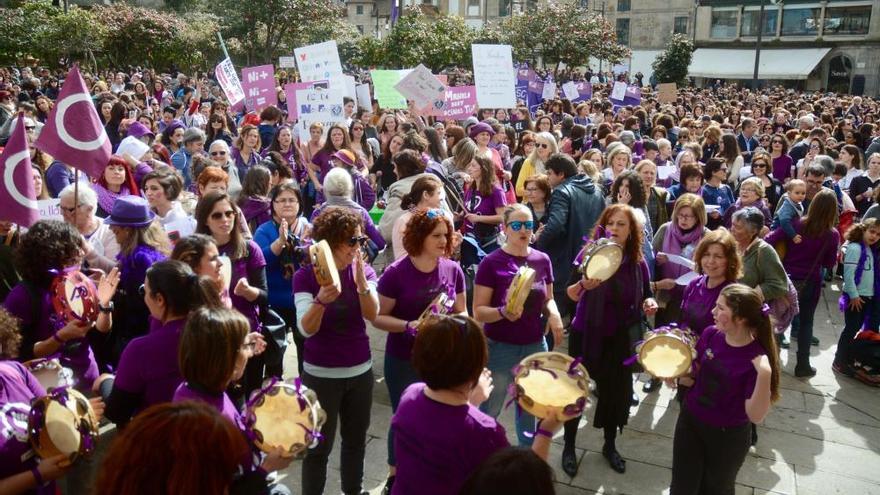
523	75
535	95
395	11
18	202
73	134
585	92
632	97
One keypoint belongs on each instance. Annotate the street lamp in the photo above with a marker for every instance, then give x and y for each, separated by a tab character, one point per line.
758	42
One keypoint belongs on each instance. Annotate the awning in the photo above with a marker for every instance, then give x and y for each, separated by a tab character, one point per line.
719	63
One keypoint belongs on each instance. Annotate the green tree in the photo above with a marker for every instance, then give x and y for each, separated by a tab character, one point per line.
77	35
436	41
21	28
563	32
671	65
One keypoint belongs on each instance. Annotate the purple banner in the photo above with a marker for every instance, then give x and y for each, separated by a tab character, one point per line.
536	90
259	87
585	92
632	97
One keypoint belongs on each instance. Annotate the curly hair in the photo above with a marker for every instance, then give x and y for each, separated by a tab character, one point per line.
10	335
635	186
723	238
48	245
420	226
633	247
336	225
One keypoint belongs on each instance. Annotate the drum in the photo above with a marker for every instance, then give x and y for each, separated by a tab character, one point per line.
601	260
519	290
441	305
50	373
324	265
74	297
551	385
285	415
667	352
62	423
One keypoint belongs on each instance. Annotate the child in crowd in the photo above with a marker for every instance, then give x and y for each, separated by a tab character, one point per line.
858	299
792	207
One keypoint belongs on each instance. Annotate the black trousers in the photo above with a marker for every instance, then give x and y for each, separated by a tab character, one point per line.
347	402
706	459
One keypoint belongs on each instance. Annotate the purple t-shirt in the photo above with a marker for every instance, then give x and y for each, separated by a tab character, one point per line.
697	304
240	269
725	379
438	446
496	272
475	202
341	341
17	388
782	167
221	403
75	354
148	365
412	291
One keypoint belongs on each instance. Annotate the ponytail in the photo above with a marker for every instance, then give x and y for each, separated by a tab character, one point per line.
168	277
426	184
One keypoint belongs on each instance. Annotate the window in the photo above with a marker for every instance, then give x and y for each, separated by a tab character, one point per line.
360	29
723	24
623	5
801	21
505	8
847	20
359	9
680	25
623	31
751	18
473	7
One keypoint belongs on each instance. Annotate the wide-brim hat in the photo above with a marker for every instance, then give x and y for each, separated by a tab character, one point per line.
136	129
130	211
479	128
345	156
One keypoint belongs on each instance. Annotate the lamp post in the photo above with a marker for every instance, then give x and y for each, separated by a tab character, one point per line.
758	42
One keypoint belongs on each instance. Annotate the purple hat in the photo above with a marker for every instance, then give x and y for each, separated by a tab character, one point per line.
137	130
130	211
173	126
480	127
346	156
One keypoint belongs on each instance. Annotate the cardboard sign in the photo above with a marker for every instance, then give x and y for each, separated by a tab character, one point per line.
570	90
494	77
667	92
259	87
320	62
50	209
421	86
229	82
318	104
290	90
618	91
286	62
461	102
549	91
364	100
383	88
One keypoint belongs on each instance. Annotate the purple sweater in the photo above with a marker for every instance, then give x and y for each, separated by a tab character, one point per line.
803	261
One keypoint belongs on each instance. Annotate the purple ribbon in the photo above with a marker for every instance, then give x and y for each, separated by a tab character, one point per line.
765	310
297	384
572	368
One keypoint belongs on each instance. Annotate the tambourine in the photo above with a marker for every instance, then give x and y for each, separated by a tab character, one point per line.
601	260
286	415
74	297
551	385
441	305
519	290
50	373
324	265
62	423
667	352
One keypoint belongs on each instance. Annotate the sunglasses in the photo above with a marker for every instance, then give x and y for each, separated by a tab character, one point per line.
759	165
517	225
776	141
362	240
542	145
218	153
218	215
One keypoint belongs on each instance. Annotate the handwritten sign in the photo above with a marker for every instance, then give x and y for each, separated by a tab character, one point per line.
618	91
570	90
285	62
494	77
461	102
364	100
549	90
383	88
259	87
318	104
666	92
229	82
422	87
290	92
320	62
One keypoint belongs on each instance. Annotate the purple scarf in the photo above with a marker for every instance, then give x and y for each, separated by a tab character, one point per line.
106	197
674	242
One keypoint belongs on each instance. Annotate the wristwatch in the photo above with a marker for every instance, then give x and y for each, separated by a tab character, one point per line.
106	309
365	291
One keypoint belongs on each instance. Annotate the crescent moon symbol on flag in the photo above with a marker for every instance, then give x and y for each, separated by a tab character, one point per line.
71	141
9	180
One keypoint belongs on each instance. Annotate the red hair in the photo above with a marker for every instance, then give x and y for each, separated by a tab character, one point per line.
129	182
183	447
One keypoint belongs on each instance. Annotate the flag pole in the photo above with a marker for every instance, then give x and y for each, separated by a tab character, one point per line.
223	45
75	193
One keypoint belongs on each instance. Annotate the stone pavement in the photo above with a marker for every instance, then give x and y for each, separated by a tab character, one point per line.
821	438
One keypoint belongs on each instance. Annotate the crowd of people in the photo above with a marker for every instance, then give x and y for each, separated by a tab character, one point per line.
732	208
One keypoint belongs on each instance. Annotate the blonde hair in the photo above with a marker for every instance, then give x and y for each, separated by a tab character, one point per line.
755	182
693	202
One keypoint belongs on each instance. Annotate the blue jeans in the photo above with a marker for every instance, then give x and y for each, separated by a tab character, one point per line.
502	358
399	374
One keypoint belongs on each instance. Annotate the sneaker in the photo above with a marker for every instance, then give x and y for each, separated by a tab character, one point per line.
843	369
782	341
871	379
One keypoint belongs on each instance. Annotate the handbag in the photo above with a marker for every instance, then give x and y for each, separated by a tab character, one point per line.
275	332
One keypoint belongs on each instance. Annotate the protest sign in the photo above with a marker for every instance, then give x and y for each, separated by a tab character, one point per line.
549	91
618	91
423	88
666	92
364	100
350	87
286	62
50	209
383	88
494	77
585	91
229	82
570	90
461	101
320	62
290	90
259	87
318	104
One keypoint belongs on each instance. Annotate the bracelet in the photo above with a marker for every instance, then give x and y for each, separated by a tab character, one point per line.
38	477
501	312
544	433
56	338
364	292
319	303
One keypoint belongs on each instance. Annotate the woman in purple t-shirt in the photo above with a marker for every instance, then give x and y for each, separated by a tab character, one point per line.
407	287
441	436
219	217
719	265
735	381
511	336
609	314
337	364
483	203
215	346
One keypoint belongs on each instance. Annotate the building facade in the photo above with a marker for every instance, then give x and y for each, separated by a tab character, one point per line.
831	45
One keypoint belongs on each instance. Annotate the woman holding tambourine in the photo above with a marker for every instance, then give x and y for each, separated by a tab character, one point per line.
610	315
333	298
515	330
408	288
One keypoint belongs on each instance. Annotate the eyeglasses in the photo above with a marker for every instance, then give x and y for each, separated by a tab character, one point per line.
759	165
362	240
542	145
218	215
218	153
30	128
814	146
66	209
516	226
776	141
